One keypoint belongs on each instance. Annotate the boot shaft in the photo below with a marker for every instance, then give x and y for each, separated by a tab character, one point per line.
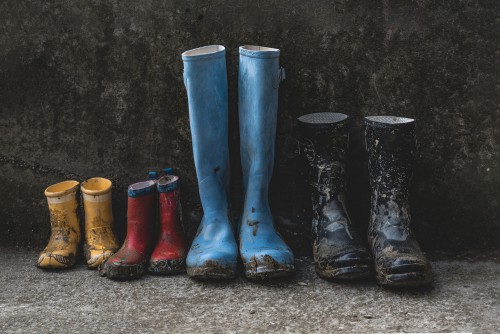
323	146
63	206
141	213
169	206
258	82
391	148
97	203
205	79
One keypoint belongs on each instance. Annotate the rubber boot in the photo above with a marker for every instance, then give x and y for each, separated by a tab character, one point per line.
391	146
170	251
65	226
213	253
131	260
100	241
264	253
338	250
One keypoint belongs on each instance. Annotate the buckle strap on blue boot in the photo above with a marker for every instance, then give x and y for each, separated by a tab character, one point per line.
263	251
214	252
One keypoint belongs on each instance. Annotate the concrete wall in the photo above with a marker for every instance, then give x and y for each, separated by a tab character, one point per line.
94	88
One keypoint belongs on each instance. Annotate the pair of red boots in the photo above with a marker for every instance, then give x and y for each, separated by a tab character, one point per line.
139	251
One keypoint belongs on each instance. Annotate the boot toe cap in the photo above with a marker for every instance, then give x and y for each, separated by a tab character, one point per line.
405	272
268	263
97	258
55	260
348	266
216	264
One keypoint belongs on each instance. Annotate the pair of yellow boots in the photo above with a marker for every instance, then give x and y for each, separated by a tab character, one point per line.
100	242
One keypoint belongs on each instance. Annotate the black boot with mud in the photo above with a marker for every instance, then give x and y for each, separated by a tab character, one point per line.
338	250
391	146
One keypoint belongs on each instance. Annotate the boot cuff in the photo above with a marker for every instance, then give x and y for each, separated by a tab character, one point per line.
259	51
96	186
204	53
61	189
322	120
389	122
167	183
141	188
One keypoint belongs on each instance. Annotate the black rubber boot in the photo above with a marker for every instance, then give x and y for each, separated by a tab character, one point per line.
391	146
337	249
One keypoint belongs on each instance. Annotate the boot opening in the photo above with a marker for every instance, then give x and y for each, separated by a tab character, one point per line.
167	183
258	48
141	185
390	119
323	118
167	179
205	50
61	188
96	185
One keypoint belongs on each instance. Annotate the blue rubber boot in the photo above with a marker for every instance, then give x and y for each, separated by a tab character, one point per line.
214	252
264	253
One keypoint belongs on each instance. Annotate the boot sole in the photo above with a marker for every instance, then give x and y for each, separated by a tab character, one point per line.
346	273
213	271
167	267
269	273
403	280
123	272
267	268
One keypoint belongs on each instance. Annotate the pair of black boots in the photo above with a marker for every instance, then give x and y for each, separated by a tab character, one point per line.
337	248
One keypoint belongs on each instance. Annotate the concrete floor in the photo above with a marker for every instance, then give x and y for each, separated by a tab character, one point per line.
465	298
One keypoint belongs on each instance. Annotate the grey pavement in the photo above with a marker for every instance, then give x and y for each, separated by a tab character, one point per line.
464	298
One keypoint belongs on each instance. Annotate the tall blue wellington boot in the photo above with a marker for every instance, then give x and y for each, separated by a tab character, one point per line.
214	252
264	253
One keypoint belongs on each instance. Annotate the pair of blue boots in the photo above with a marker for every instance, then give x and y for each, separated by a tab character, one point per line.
214	251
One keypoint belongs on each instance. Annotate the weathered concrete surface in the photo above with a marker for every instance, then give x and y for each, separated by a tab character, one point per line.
465	298
94	88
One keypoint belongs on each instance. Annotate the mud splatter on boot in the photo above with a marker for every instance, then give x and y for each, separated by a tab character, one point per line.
338	250
391	146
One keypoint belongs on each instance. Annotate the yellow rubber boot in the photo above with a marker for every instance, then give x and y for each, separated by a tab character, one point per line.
100	242
65	226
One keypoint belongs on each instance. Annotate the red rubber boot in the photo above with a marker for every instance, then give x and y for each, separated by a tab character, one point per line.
170	251
130	260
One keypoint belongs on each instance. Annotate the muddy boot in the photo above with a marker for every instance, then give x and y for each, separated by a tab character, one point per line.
263	251
213	253
391	146
100	241
131	259
65	227
338	250
170	251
